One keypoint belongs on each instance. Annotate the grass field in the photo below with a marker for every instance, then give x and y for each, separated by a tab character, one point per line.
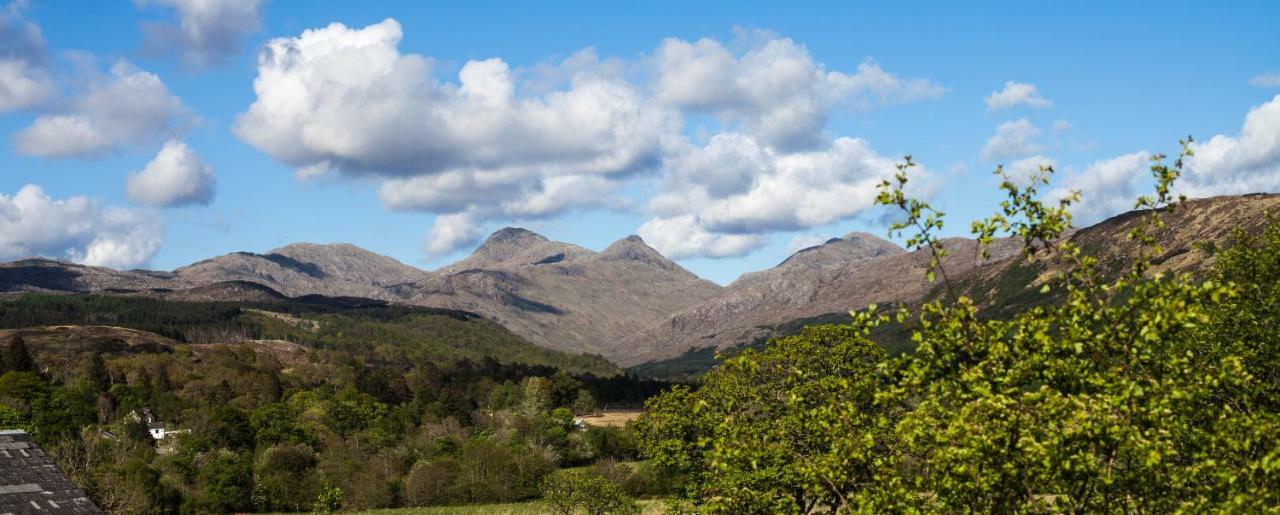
521	508
611	418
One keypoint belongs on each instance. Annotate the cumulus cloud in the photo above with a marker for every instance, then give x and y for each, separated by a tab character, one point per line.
1107	187
24	82
1021	171
1012	139
496	143
205	32
175	177
1266	80
128	107
683	237
345	100
452	232
775	89
78	228
1015	94
1247	163
1222	165
348	99
766	191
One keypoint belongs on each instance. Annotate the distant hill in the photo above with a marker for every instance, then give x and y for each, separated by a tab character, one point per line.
1003	286
629	303
73	325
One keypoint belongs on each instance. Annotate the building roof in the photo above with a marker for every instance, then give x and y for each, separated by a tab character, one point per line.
31	482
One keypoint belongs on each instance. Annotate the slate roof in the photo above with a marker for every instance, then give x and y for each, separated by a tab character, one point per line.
31	482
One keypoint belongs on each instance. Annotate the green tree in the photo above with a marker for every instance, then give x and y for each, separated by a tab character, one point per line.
329	501
225	483
432	482
284	479
584	403
17	358
785	429
568	491
1136	393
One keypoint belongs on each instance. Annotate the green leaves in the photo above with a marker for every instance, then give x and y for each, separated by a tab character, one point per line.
1147	393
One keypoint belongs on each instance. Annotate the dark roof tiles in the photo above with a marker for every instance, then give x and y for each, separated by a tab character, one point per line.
30	481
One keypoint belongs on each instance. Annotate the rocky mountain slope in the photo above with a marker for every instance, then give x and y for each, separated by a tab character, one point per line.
307	268
563	296
839	275
1002	285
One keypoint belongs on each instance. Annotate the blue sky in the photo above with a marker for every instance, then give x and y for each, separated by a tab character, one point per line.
1111	80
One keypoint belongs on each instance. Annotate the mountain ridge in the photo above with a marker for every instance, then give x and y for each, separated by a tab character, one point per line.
626	302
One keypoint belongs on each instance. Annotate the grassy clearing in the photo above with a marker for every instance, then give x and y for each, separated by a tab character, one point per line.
611	418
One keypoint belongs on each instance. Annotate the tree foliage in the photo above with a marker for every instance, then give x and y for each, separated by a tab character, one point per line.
1145	392
569	491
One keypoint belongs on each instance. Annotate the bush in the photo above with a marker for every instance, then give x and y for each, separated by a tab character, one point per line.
432	482
1142	393
568	491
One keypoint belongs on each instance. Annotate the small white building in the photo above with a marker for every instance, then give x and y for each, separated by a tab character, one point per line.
157	430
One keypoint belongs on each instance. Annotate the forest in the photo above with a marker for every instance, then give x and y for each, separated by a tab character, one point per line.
378	406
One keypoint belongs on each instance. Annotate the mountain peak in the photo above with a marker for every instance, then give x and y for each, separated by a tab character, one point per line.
635	249
515	237
837	251
514	234
507	242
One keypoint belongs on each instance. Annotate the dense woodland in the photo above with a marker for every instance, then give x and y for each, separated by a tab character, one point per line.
1117	390
376	412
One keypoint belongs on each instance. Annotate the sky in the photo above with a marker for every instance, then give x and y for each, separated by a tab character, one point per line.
156	133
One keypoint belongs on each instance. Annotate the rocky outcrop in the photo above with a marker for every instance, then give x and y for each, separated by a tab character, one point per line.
563	296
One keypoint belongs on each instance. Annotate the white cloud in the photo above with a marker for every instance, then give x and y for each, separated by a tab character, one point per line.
1223	165
1012	139
1014	94
554	138
77	228
683	237
804	241
348	99
24	82
775	90
1107	187
1265	80
175	177
450	233
130	106
706	214
22	85
206	32
1247	163
1061	126
1021	171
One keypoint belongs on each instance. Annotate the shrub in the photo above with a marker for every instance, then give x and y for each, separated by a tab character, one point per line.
1142	393
568	491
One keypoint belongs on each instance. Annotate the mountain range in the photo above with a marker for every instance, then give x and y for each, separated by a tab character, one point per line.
628	303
